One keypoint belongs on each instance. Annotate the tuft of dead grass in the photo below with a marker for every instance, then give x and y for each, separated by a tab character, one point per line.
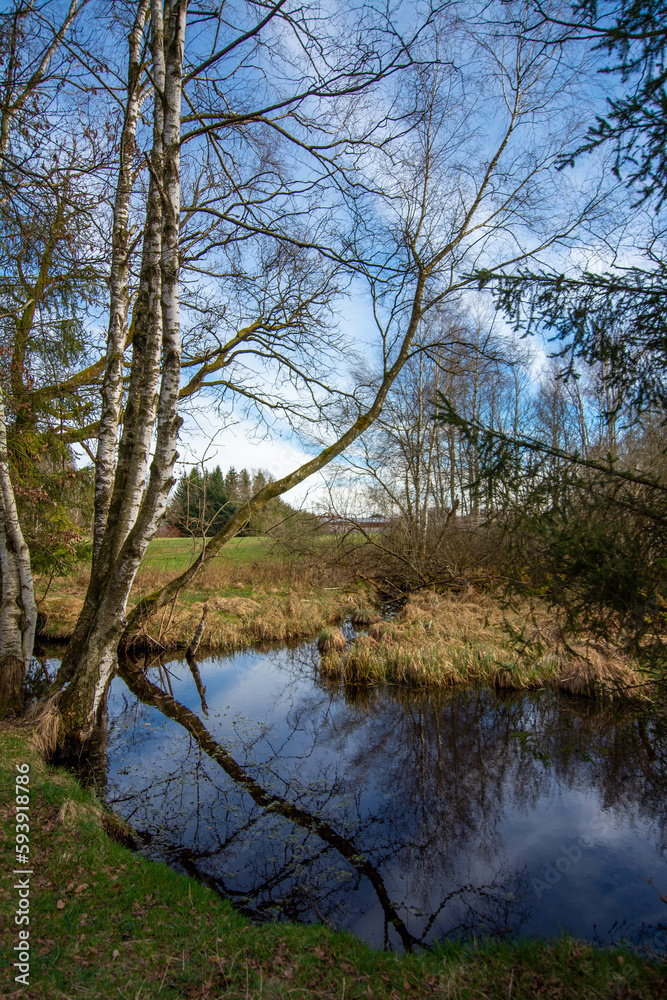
362	617
331	640
243	607
586	669
46	723
71	813
239	622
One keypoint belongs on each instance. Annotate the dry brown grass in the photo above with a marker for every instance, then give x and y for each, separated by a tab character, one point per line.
239	622
71	813
244	607
270	600
587	668
59	614
447	640
331	640
362	617
45	722
437	639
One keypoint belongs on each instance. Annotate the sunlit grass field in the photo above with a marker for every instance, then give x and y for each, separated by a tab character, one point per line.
174	555
253	591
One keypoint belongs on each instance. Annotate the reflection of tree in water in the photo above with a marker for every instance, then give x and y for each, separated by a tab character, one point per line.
475	736
621	753
393	790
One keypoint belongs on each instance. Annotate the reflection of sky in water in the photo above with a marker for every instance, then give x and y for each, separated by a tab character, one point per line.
463	826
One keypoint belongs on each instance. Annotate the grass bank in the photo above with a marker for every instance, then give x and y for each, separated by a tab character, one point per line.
105	923
250	594
448	639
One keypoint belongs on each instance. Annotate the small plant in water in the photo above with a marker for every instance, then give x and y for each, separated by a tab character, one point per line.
331	639
363	617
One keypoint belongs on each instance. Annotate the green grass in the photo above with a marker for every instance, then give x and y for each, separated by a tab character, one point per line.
106	923
175	554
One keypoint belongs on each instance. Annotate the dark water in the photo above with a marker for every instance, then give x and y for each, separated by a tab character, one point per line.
404	817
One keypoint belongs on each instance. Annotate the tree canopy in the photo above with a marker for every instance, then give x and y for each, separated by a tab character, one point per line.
615	316
587	526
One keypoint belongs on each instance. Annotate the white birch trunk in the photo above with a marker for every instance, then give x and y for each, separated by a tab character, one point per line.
112	386
136	507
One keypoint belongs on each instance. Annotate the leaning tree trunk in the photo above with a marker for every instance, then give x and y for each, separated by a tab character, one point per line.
18	612
135	507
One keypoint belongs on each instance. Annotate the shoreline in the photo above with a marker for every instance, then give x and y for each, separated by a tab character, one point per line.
105	919
435	641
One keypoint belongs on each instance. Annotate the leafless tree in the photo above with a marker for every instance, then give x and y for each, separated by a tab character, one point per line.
417	473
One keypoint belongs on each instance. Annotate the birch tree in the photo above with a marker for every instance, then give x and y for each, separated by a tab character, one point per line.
128	505
442	212
18	612
134	466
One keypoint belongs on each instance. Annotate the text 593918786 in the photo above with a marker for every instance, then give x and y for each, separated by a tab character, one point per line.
22	869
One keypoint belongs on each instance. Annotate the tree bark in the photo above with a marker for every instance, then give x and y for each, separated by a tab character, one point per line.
136	505
18	611
112	386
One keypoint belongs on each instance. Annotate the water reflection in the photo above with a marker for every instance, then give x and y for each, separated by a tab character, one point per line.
402	816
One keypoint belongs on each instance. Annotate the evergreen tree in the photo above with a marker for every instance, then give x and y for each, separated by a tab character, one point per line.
189	497
232	483
244	485
258	481
219	504
205	501
615	319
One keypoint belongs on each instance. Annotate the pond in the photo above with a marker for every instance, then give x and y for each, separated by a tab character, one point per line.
403	816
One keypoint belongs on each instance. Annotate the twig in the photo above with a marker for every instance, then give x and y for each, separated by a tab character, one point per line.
196	639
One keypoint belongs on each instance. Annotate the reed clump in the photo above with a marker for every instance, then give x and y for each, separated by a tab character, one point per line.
362	617
447	639
331	640
585	669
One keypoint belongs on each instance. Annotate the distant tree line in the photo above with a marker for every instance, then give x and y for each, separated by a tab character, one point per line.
204	501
